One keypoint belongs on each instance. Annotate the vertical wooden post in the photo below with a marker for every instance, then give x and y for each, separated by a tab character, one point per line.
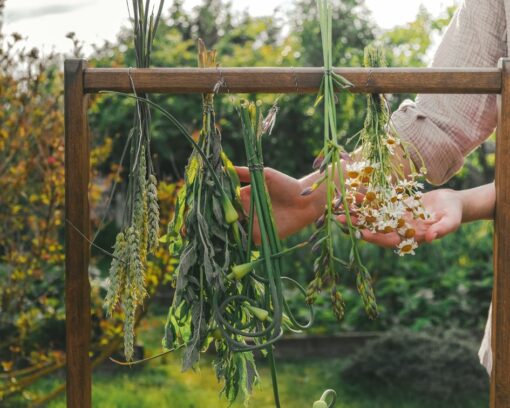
77	249
500	379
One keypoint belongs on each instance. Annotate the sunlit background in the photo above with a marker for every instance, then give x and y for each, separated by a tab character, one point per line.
46	22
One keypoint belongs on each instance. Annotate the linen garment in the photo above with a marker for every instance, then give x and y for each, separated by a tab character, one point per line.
446	128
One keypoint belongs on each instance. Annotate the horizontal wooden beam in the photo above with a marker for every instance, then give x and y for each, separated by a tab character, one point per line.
293	80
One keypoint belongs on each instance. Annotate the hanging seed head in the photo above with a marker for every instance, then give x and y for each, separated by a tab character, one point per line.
314	236
117	274
153	209
365	289
337	303
324	164
320	404
374	57
140	220
129	323
320	221
318	246
317	264
270	120
309	190
136	274
337	203
313	289
325	259
306	192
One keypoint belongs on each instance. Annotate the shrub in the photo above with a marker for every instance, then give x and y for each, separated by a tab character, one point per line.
441	366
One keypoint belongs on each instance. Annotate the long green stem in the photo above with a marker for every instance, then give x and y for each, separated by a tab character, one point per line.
274	376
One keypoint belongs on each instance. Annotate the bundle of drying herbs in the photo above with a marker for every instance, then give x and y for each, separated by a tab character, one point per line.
207	235
140	233
390	196
227	292
330	165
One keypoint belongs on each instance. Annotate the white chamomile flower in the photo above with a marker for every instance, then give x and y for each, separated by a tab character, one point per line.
354	169
390	142
407	232
406	247
421	213
352	183
393	210
414	203
386	226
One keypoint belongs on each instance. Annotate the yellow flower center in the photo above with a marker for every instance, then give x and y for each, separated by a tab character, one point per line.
406	248
370	196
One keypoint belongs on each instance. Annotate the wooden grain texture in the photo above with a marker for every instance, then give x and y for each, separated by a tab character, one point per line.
293	80
77	249
500	379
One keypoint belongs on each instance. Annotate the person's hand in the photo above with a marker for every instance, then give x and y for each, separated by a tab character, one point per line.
446	207
291	210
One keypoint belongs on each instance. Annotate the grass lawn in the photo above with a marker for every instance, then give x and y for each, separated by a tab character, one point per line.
161	383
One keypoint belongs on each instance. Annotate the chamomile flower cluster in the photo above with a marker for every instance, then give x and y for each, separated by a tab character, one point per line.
384	203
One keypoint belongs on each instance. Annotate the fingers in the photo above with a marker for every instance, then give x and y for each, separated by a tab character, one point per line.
442	227
384	240
245	197
390	240
243	173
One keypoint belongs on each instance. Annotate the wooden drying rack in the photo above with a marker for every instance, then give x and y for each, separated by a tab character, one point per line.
81	81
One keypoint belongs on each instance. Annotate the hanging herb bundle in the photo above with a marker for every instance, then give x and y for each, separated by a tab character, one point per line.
226	291
208	236
140	233
390	197
267	303
329	164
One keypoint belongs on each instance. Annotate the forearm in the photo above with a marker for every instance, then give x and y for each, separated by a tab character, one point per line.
478	203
